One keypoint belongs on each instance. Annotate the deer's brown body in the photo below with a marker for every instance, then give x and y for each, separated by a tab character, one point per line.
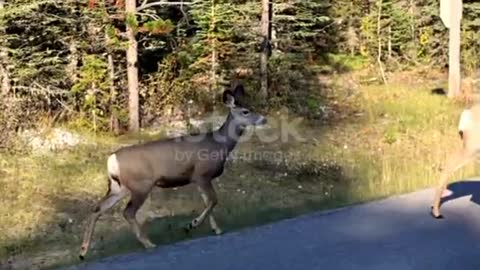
173	162
194	159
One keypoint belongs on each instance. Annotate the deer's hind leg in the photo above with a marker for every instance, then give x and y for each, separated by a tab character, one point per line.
114	194
458	160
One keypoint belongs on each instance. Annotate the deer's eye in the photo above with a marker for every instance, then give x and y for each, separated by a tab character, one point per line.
245	112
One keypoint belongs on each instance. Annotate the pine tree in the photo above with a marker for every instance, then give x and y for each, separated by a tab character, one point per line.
49	27
212	42
303	25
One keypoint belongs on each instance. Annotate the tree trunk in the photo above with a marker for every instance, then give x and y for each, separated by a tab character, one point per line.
94	91
114	125
265	49
132	70
5	85
213	67
412	26
272	35
270	20
5	81
73	62
389	42
454	80
379	36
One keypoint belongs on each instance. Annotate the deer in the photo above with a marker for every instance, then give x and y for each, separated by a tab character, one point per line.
196	159
469	132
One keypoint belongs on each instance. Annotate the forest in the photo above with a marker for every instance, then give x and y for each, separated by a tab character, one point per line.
81	78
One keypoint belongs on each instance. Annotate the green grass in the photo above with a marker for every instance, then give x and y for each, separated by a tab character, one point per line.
349	62
391	139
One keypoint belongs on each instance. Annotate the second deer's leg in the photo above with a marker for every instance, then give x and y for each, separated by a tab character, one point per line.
136	201
456	162
206	189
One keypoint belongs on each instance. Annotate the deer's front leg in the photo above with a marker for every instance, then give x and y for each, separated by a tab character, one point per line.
213	223
210	199
457	161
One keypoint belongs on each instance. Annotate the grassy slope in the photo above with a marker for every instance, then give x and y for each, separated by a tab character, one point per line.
388	140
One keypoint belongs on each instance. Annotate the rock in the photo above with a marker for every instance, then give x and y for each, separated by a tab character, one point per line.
55	139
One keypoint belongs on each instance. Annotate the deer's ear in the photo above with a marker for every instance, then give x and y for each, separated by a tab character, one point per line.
228	98
239	92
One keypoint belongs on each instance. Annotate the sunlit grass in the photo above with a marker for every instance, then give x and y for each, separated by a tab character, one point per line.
401	143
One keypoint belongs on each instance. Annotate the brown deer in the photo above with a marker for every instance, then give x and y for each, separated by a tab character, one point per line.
173	162
469	131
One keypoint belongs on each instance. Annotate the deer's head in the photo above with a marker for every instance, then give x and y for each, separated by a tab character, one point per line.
241	115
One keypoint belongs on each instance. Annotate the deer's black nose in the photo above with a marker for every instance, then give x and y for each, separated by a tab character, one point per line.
262	121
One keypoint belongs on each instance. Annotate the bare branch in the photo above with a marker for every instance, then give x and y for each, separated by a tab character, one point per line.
117	16
161	3
152	16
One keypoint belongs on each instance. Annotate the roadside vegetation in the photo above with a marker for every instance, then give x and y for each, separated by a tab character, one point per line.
386	140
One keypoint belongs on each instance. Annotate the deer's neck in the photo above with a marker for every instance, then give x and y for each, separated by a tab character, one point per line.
230	132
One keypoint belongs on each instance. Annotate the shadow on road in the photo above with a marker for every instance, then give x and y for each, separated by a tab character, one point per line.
461	189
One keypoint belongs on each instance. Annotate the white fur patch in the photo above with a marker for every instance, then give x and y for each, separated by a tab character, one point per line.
113	169
115	188
112	165
466	121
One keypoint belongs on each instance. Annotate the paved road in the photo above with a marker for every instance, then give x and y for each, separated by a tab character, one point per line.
392	234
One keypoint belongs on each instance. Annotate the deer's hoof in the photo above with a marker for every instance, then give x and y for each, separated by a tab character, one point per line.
83	251
194	223
150	245
439	216
217	232
187	229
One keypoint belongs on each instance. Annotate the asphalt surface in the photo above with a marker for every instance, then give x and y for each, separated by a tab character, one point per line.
395	233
